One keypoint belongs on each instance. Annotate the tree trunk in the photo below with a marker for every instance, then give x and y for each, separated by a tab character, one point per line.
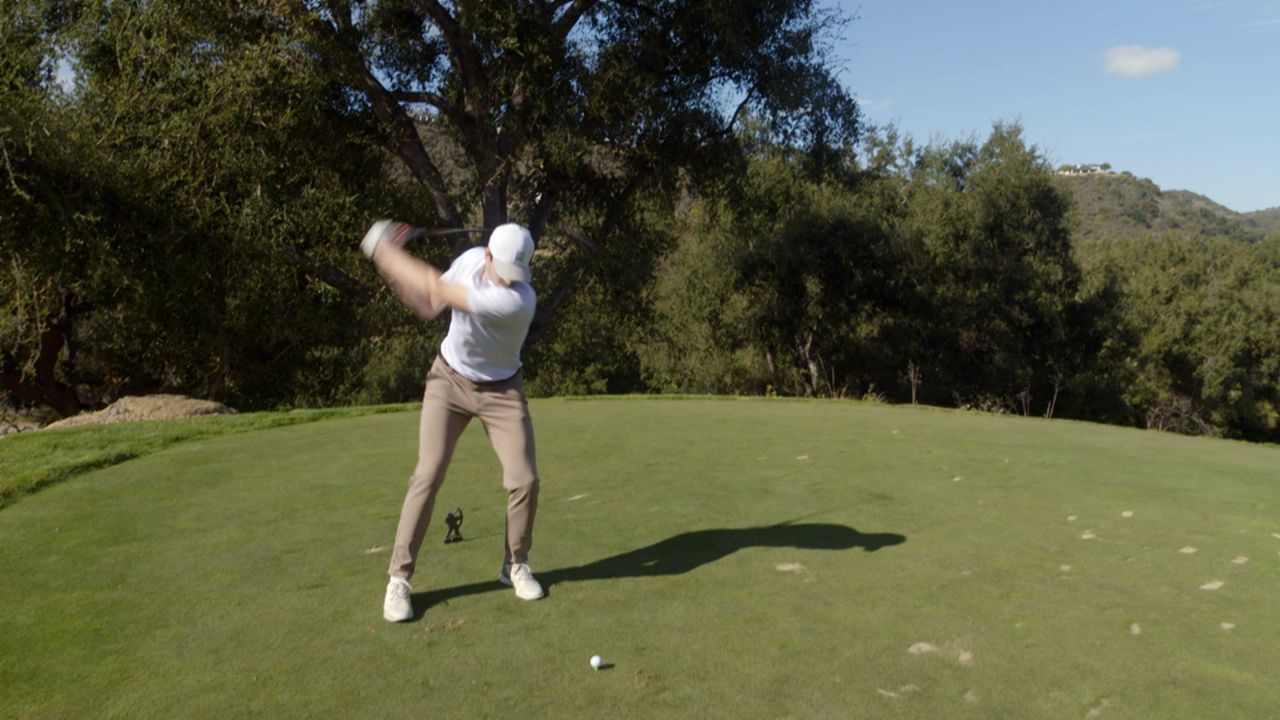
810	368
771	358
495	202
913	374
1053	402
45	389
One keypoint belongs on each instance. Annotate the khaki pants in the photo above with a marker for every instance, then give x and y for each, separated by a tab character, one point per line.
449	403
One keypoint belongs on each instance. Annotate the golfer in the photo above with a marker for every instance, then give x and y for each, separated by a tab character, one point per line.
477	374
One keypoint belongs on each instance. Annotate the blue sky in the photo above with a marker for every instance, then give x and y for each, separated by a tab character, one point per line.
1184	92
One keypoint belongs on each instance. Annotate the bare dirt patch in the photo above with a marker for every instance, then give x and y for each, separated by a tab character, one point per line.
146	407
447	625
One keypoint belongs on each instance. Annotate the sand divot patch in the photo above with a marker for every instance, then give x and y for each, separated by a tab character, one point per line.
971	696
904	690
1227	626
796	568
377	549
1188	550
1126	514
1212	585
1096	710
1064	568
957	478
1087	535
1135	629
1240	560
1276	535
1071	518
964	657
577	497
802	457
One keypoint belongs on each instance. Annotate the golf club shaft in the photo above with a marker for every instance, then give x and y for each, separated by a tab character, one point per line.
418	232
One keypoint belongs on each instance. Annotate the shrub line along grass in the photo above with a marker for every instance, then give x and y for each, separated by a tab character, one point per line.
33	460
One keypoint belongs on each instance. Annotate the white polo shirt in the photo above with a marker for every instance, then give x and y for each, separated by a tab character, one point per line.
483	345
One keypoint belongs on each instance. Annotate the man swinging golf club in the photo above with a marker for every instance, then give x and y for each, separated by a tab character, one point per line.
477	374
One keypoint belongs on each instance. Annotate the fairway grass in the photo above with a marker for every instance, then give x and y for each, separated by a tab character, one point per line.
727	558
34	460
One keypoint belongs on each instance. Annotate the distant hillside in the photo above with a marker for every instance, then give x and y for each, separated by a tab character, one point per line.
1268	220
1122	205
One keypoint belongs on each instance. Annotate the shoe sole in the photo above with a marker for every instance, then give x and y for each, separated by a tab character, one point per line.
390	618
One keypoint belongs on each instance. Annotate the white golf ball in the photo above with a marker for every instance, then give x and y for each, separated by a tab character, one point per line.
596	661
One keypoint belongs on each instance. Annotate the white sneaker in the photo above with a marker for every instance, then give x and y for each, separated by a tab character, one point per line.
397	607
521	578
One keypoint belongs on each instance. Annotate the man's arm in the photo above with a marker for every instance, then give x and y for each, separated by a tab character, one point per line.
418	284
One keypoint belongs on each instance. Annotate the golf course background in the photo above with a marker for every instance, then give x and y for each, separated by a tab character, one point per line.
727	558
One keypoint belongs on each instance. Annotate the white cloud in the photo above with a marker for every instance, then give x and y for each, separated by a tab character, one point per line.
873	105
1136	61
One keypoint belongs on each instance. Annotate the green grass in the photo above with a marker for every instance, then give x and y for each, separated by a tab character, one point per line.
34	460
731	559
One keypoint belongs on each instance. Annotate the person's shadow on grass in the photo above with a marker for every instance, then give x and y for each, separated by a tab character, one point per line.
684	552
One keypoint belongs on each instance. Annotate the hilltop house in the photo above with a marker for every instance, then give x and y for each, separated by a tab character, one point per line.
1085	169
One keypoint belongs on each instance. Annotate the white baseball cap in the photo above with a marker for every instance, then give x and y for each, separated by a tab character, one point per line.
512	247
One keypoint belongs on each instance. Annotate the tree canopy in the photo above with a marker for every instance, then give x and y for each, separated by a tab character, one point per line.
576	101
184	183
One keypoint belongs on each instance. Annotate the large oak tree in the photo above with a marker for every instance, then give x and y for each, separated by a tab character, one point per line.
557	114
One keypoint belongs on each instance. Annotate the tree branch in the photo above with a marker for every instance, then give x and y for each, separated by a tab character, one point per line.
460	47
541	212
563	25
421	97
733	119
441	18
545	318
341	12
328	274
408	145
